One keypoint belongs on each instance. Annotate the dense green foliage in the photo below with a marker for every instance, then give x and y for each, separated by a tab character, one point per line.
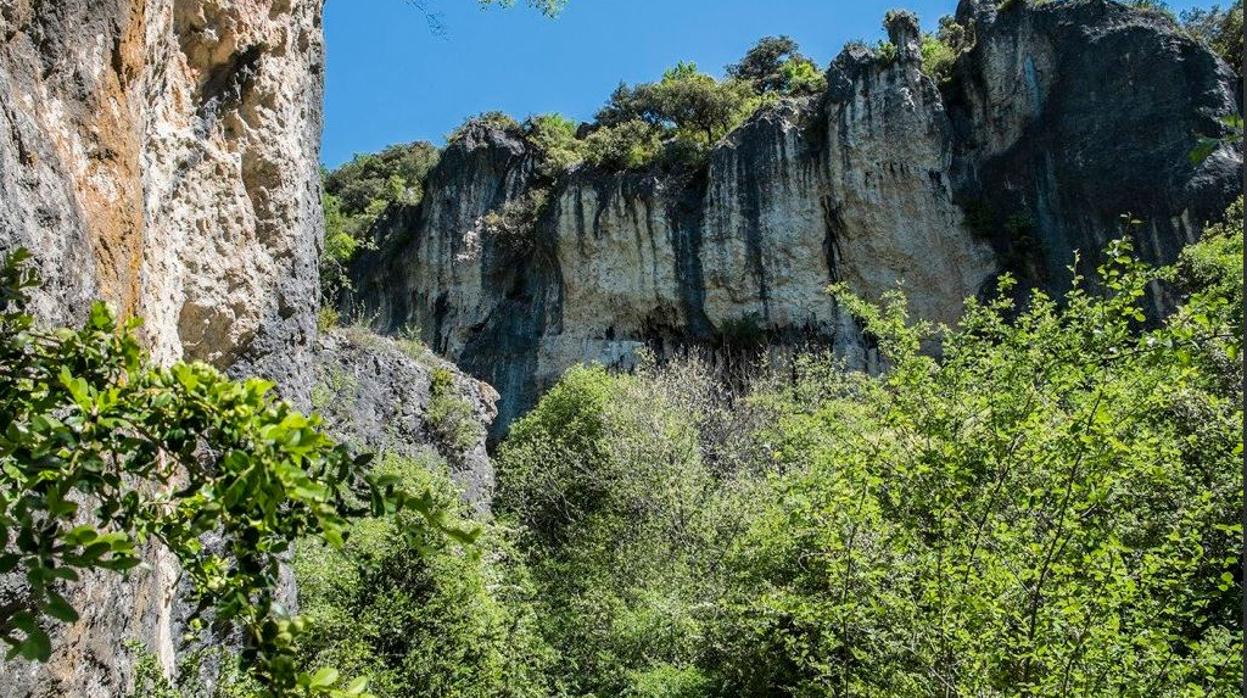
357	193
776	65
104	454
691	109
554	137
427	621
1051	508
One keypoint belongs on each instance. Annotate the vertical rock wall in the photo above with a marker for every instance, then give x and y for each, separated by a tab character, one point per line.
1061	118
161	154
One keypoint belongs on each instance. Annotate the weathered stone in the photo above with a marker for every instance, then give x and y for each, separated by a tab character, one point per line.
375	394
1063	117
162	155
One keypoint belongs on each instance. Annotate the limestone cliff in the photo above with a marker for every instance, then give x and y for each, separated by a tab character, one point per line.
162	154
1061	118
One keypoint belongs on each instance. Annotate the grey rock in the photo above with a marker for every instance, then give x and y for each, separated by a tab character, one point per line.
162	155
375	394
1061	118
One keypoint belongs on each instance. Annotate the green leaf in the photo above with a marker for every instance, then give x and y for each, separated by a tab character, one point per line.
37	647
324	677
59	608
101	318
78	389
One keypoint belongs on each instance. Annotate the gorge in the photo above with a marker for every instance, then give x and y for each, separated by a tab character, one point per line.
643	533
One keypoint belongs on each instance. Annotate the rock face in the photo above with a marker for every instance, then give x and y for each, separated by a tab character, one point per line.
1069	115
386	396
162	154
1060	119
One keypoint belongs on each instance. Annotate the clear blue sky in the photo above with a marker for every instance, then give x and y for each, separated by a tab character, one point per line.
390	79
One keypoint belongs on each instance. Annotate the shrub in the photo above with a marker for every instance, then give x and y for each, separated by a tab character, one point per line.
687	108
802	78
1065	543
938	58
490	119
513	227
421	619
167	456
629	145
451	416
886	51
356	194
554	136
605	476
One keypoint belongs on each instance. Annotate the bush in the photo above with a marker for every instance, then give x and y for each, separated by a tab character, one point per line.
422	619
630	145
606	477
451	416
802	78
166	456
554	136
395	174
489	119
938	58
686	108
513	227
356	194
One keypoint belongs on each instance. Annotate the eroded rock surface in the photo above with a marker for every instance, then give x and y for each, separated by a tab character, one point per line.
1062	118
162	154
382	395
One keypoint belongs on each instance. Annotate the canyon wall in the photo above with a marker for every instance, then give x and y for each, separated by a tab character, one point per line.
162	154
1061	118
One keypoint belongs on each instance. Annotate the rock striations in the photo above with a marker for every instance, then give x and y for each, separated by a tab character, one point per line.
163	155
1060	119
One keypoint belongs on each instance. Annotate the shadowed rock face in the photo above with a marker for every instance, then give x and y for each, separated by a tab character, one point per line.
1059	120
1069	115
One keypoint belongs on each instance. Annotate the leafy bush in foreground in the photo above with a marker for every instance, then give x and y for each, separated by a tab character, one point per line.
103	453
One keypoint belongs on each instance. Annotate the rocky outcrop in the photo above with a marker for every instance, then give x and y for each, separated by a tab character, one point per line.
1068	116
383	395
162	154
1061	118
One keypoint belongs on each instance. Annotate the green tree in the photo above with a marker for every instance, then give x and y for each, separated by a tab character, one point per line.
689	109
554	136
422	620
103	453
605	477
776	64
1221	30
